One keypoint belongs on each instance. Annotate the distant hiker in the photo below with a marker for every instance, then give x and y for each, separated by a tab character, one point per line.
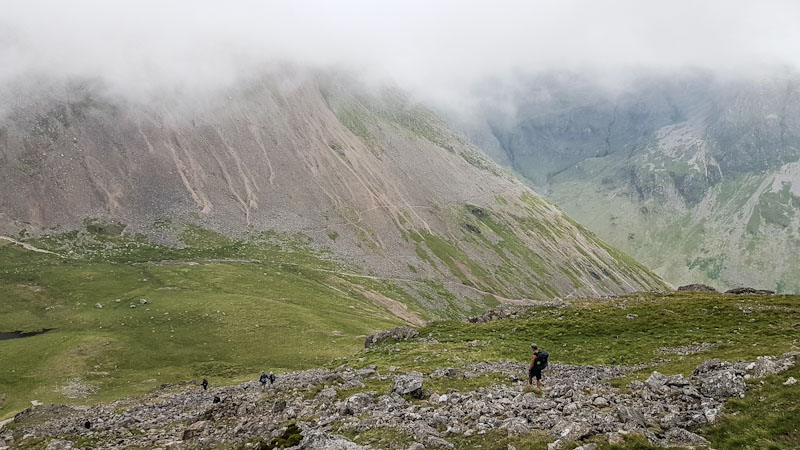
87	424
216	399
271	379
263	380
204	384
538	363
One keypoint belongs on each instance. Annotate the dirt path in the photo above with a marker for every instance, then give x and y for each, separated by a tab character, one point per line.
30	247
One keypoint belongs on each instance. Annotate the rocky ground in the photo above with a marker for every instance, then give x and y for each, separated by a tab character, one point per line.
577	402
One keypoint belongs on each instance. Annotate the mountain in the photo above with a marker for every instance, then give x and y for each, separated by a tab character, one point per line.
695	175
363	173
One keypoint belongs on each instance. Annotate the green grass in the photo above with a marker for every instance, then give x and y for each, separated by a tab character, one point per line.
766	418
593	332
223	320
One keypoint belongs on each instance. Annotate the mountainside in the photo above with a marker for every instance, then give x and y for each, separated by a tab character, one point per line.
367	174
698	177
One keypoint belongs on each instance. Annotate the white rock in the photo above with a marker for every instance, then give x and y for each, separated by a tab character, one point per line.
790	381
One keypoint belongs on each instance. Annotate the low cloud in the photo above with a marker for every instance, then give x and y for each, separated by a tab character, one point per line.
438	48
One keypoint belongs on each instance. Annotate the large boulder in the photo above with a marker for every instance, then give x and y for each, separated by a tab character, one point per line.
567	431
399	333
656	380
749	290
194	430
726	383
408	384
356	403
697	287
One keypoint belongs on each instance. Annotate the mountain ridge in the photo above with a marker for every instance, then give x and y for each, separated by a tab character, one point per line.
362	173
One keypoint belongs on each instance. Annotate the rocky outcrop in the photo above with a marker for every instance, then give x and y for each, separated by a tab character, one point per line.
399	334
697	287
577	403
749	290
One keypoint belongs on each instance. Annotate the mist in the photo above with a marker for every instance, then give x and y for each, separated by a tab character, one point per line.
435	49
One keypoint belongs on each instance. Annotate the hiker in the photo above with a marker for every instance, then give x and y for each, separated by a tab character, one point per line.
204	384
263	380
216	399
87	424
271	379
538	363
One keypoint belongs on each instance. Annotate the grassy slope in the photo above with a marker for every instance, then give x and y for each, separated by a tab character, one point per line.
684	250
592	332
224	321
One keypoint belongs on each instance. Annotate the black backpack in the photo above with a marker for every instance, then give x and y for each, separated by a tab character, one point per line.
541	360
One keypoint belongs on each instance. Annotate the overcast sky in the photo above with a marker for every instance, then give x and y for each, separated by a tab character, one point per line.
435	45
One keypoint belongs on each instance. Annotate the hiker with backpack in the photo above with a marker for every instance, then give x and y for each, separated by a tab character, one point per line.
271	379
538	363
263	380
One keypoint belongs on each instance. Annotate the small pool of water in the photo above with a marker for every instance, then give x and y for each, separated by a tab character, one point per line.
6	335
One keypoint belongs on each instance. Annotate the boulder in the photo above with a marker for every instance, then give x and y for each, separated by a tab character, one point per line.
194	430
567	431
368	371
356	403
697	287
790	381
749	290
631	417
656	380
684	437
399	333
449	372
723	384
408	384
677	380
516	426
326	395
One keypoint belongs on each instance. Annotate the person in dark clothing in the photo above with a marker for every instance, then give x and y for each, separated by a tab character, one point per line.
216	399
535	370
204	384
87	424
263	380
271	379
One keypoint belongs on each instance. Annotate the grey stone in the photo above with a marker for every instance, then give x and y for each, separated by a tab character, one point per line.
568	431
656	380
631	417
356	403
516	426
408	384
723	384
326	395
399	333
681	436
194	430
